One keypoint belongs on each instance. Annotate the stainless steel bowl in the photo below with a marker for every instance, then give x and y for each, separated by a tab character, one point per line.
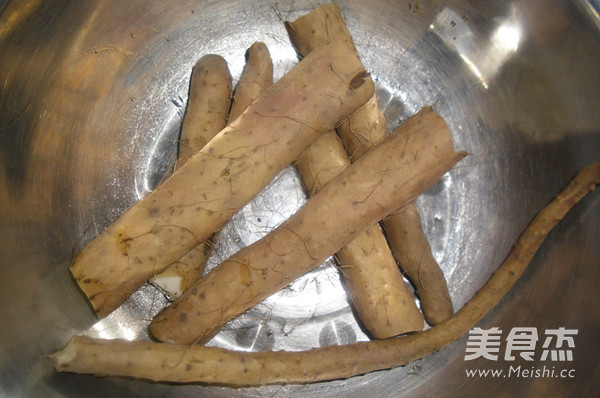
92	100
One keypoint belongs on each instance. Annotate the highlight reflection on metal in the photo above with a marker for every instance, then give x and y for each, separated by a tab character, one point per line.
130	321
91	101
484	56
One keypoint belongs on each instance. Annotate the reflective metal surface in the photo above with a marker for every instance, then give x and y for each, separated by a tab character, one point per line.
92	97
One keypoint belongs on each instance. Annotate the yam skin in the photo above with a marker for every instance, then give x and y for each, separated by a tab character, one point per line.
208	105
393	173
196	200
359	132
365	128
256	77
383	302
199	364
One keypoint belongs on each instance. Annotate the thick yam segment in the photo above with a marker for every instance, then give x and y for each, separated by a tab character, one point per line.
230	170
393	173
256	77
208	105
360	132
382	301
409	244
179	363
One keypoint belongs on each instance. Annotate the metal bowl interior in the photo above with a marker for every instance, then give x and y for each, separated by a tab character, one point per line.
92	99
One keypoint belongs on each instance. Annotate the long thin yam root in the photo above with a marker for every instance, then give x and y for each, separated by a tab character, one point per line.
196	200
381	298
363	129
396	171
178	363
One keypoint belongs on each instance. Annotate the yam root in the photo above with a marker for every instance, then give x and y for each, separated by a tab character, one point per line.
360	132
208	105
397	170
367	126
411	249
178	363
381	298
196	200
375	284
256	77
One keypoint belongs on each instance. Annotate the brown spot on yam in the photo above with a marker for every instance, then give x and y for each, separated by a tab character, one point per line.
123	243
359	80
